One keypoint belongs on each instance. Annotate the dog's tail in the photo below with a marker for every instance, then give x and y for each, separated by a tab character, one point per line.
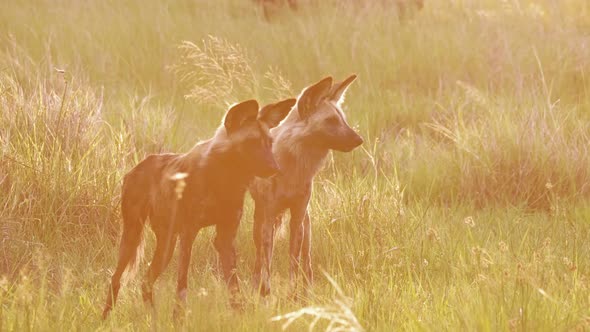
136	257
132	245
130	249
130	254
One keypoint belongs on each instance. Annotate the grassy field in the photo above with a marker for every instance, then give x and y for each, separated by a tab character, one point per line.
467	208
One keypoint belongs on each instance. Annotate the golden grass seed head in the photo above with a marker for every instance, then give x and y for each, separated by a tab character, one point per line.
469	221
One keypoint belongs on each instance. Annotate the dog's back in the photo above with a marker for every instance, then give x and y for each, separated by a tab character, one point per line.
142	183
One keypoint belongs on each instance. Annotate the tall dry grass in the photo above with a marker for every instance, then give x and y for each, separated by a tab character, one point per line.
466	208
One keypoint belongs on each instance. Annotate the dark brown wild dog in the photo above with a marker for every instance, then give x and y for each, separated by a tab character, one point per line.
301	143
217	172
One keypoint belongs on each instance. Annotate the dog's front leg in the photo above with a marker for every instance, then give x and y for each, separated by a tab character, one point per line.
186	244
266	217
298	213
259	221
224	244
306	251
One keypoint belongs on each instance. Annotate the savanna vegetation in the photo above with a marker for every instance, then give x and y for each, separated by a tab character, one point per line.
467	208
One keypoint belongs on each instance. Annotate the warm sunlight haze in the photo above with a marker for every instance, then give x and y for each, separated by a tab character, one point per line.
295	165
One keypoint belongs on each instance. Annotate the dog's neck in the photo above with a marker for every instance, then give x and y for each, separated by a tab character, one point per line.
298	157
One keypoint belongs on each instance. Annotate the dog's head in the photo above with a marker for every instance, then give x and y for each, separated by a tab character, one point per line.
248	132
319	105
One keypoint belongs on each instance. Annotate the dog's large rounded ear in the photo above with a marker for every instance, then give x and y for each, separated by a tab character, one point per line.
240	113
312	96
273	114
339	89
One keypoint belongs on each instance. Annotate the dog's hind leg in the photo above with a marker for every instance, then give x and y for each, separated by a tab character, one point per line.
165	245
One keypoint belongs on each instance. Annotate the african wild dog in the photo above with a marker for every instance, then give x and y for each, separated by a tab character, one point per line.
314	127
217	172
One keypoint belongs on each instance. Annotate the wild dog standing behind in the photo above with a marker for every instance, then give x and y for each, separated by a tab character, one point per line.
314	127
218	172
405	8
270	5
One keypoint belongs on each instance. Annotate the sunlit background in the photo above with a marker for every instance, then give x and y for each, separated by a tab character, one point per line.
465	209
